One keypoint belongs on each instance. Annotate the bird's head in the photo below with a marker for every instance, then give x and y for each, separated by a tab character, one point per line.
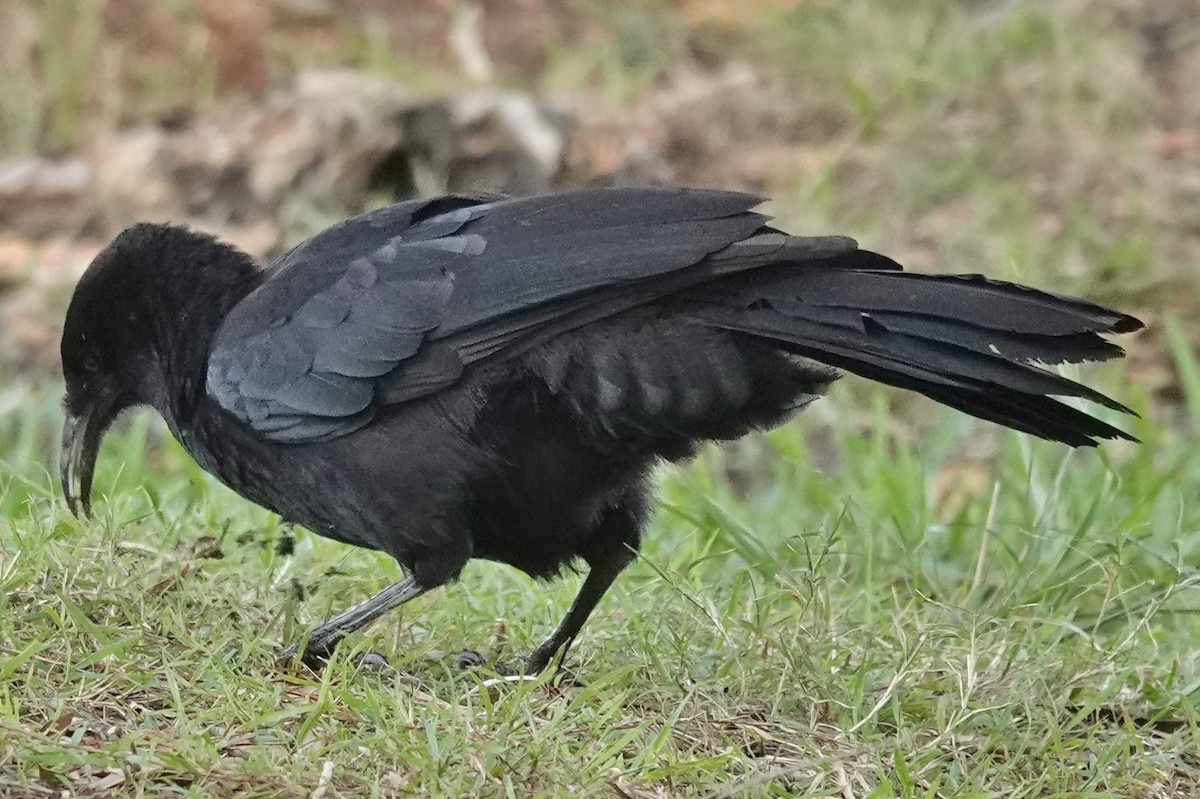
136	329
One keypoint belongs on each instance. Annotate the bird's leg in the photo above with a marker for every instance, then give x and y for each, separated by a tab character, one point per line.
595	585
613	547
323	639
597	582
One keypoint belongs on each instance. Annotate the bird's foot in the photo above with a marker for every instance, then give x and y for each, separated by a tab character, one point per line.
469	659
373	661
312	657
319	649
528	667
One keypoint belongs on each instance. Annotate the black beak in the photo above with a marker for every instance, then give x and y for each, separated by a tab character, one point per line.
77	460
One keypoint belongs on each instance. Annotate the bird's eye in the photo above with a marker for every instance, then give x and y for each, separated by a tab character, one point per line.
91	363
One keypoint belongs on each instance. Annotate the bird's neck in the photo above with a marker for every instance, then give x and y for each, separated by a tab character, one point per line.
204	280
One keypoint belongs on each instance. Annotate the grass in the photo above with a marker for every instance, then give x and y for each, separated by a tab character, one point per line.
42	102
907	620
881	600
979	128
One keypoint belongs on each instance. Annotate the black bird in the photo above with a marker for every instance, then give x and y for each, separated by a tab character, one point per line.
469	378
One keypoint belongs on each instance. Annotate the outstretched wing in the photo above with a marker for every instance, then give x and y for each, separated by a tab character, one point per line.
396	303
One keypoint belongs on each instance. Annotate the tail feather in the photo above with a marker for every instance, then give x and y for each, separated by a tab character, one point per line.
963	340
1018	347
992	304
1044	417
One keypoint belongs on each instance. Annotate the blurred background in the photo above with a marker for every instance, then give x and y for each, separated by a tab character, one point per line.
1052	143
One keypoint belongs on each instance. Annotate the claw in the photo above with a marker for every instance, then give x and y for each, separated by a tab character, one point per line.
315	657
373	661
469	659
286	656
527	667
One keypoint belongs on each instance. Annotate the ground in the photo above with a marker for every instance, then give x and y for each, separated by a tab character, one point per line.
882	599
852	616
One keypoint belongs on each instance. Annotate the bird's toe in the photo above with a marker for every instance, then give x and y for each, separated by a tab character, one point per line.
287	655
529	667
469	659
314	657
373	661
